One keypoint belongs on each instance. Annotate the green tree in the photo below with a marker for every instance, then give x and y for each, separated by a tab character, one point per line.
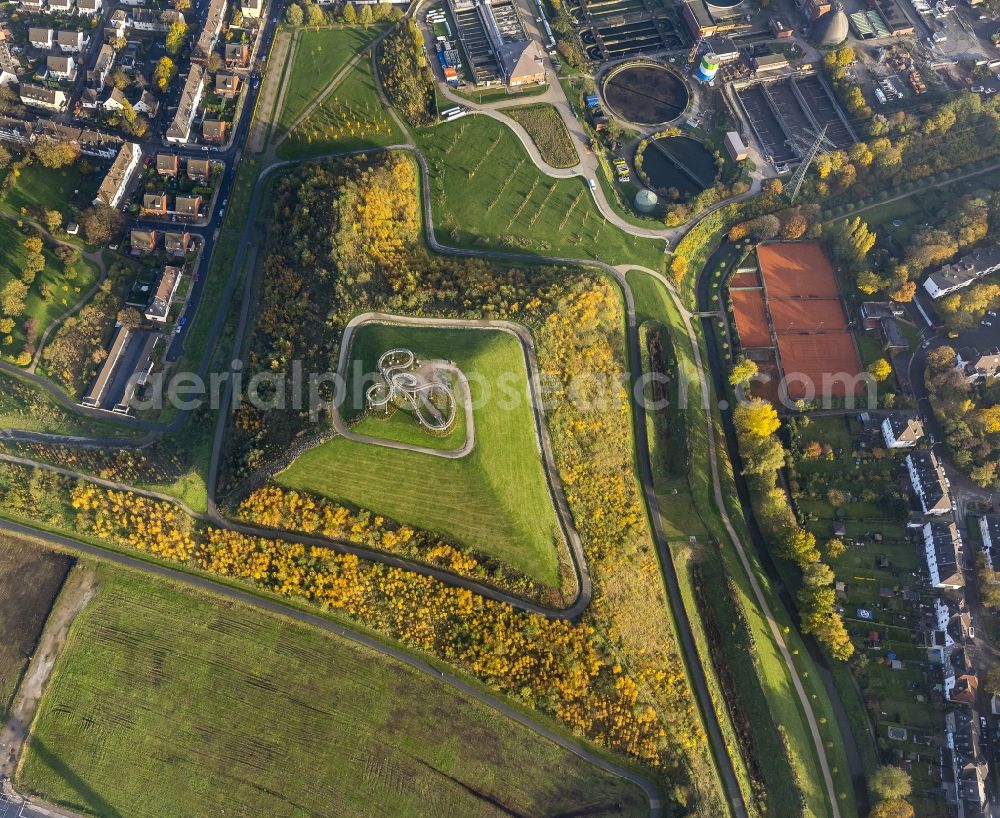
101	223
176	36
880	369
350	14
294	15
889	781
164	72
756	418
893	808
53	153
743	371
53	220
365	16
12	297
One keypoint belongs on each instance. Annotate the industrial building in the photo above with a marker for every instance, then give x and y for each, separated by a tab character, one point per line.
495	42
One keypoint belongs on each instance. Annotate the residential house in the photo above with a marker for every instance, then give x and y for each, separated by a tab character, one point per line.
140	372
90	142
62	6
199	170
176	244
213	130
143	241
146	104
929	482
155	20
33	5
194	86
900	432
88	99
10	66
941	546
978	365
89	8
15	130
189	206
102	67
115	101
989	529
227	86
72	42
251	9
209	33
978	264
42	38
158	308
98	391
155	204
237	55
118	23
167	164
51	99
60	67
115	182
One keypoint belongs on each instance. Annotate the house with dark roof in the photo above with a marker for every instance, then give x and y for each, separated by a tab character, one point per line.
176	243
187	107
199	170
929	482
227	86
143	241
72	42
189	206
51	99
90	8
167	164
61	67
973	266
901	431
213	130
115	183
98	390
237	55
979	364
158	308
155	204
42	38
989	529
941	546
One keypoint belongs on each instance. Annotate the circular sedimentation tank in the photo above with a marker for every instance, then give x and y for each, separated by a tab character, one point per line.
645	94
646	200
678	163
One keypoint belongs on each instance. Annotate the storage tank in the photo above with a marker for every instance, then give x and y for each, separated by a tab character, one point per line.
645	201
707	68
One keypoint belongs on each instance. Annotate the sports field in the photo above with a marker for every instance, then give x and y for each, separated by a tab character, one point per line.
487	193
494	500
798	302
320	54
30	579
253	714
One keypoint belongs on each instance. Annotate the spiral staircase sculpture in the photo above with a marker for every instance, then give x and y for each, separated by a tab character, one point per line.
402	385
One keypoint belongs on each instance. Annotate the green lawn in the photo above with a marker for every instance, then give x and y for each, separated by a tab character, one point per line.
495	500
351	118
320	54
61	189
487	193
255	715
64	287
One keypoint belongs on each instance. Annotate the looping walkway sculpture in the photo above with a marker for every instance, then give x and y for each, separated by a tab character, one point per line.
404	383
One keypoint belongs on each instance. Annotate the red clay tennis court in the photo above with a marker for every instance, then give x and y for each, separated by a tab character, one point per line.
751	318
796	270
801	303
